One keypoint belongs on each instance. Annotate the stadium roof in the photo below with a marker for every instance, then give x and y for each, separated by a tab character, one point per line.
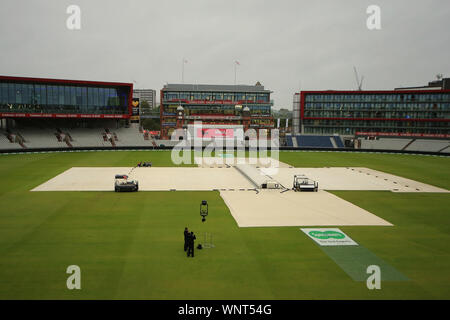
62	81
213	87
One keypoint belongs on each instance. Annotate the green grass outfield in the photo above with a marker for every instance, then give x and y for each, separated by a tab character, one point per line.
129	245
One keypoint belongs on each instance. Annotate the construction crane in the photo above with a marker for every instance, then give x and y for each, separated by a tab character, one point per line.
359	81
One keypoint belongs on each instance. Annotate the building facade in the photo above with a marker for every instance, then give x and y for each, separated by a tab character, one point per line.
53	98
400	112
232	105
148	95
440	84
296	114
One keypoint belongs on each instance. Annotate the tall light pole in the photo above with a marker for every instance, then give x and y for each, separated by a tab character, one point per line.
182	69
236	63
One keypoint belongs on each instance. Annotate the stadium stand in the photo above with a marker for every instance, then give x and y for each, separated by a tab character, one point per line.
5	143
307	141
294	143
87	137
110	137
42	134
131	137
338	141
289	141
422	145
14	140
314	141
385	144
35	138
65	137
38	137
430	145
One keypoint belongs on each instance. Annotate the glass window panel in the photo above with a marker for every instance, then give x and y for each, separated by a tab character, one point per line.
78	98
251	97
73	97
12	92
5	92
4	89
18	93
43	94
206	96
90	97
27	93
95	96
184	95
112	97
123	99
102	94
67	95
84	98
240	96
61	95
55	95
24	93
32	94
218	96
101	97
228	96
37	95
115	98
110	100
49	95
172	95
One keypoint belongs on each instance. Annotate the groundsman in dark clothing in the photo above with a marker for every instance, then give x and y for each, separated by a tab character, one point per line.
186	238
191	244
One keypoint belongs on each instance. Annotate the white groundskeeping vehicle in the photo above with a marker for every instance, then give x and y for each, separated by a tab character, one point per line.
123	183
302	183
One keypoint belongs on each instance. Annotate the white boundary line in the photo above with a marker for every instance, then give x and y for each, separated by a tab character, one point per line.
106	150
169	150
372	152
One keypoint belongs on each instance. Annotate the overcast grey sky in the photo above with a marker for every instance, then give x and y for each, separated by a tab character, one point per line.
284	44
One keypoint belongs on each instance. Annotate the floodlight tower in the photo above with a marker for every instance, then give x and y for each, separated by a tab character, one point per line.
359	81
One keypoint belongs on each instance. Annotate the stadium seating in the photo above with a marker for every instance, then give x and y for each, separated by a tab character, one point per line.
5	143
81	137
289	141
36	138
424	145
12	140
33	138
385	144
430	145
131	137
88	138
338	141
306	141
317	141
